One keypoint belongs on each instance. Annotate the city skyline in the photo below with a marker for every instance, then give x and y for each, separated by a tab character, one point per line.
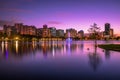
19	29
62	14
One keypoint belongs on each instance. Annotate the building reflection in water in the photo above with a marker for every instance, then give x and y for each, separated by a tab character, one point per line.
44	48
51	48
2	45
107	54
16	46
94	59
6	50
81	46
68	47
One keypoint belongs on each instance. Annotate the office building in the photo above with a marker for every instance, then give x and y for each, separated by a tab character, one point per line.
111	32
46	32
53	31
81	34
60	33
107	29
73	33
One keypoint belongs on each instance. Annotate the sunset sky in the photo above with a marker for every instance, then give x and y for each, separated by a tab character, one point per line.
62	14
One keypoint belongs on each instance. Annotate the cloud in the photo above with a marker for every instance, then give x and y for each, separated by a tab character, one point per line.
54	22
3	22
15	10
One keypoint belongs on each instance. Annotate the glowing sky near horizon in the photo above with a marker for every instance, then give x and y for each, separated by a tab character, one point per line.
62	14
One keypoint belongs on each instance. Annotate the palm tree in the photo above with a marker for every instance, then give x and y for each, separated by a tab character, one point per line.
94	30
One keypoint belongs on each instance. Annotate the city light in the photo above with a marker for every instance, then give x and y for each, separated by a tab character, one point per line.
25	32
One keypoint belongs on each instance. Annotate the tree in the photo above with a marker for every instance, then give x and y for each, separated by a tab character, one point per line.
94	31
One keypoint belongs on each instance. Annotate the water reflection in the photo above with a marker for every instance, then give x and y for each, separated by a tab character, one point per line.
2	45
68	48
81	46
45	49
107	54
6	50
16	46
94	59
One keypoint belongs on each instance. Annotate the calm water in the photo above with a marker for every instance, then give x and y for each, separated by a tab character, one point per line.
58	60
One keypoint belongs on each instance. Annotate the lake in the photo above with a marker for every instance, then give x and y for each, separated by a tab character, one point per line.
58	60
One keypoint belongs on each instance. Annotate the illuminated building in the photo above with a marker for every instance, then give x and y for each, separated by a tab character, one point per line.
73	33
53	31
18	27
28	30
23	30
101	35
32	30
107	29
1	32
9	30
46	32
81	34
111	32
39	32
86	35
60	33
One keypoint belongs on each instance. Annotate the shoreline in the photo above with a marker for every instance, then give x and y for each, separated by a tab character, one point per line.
112	47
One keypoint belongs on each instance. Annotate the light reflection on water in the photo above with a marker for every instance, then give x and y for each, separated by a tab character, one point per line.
77	57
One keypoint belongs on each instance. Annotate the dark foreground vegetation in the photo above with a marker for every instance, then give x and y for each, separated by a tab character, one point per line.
114	47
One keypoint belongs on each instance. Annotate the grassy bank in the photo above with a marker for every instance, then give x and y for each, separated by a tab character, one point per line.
114	47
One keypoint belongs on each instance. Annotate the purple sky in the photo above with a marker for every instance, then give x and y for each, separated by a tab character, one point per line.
62	14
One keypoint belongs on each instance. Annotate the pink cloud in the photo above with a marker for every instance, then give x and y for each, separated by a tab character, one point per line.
54	22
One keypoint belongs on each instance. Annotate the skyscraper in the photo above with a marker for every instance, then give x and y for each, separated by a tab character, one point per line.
46	32
45	26
73	33
18	27
107	29
53	31
39	32
81	34
60	33
111	32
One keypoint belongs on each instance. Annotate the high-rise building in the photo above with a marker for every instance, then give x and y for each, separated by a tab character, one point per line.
39	32
23	30
28	30
111	32
18	27
53	31
45	26
32	30
9	30
1	32
46	32
60	33
5	28
81	34
100	35
107	29
13	31
73	33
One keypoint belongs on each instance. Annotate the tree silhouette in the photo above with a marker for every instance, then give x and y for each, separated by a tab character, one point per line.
94	31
